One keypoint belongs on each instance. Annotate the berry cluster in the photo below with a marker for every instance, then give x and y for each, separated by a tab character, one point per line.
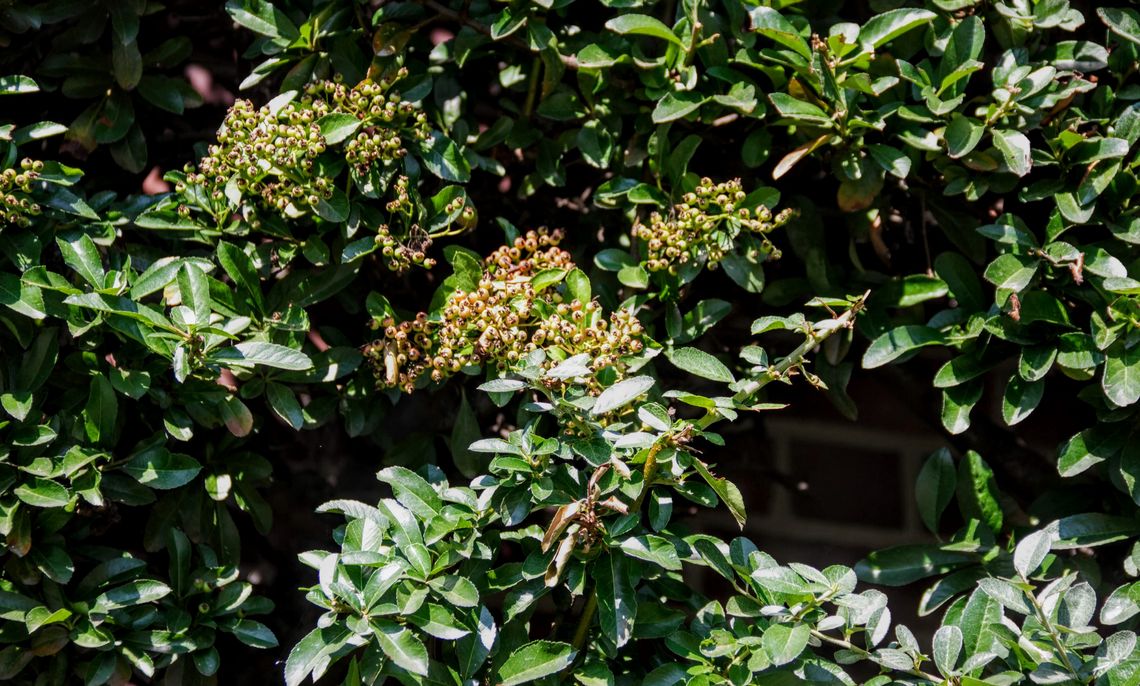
703	226
400	253
387	120
503	320
270	155
16	208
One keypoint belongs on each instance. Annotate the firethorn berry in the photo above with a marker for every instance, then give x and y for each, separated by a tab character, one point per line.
502	320
700	228
16	207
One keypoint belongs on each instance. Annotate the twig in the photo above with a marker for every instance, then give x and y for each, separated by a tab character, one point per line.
796	357
847	645
585	620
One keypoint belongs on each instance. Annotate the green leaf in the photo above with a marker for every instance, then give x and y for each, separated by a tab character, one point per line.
1035	361
1121	605
612	259
1009	234
1121	378
905	564
677	105
443	158
1087	449
547	278
1012	272
958	402
633	276
892	160
642	25
126	65
133	593
284	404
253	634
1122	22
131	383
578	285
770	23
313	653
37	131
262	17
66	201
979	613
194	290
16	84
101	410
438	621
884	27
910	290
935	487
799	111
653	549
1008	595
962	280
978	495
258	353
456	590
161	469
1020	399
617	598
898	342
239	268
726	491
160	274
700	363
1031	551
962	135
621	394
336	127
81	254
1015	150
473	650
746	270
534	660
783	643
947	648
1093	529
965	46
39	492
401	645
412	491
596	144
163	93
334	209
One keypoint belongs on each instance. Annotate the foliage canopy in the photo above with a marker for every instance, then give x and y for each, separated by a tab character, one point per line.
874	185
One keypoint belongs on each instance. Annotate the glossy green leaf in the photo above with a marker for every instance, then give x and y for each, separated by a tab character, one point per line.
882	28
978	494
642	25
898	342
770	23
533	661
937	481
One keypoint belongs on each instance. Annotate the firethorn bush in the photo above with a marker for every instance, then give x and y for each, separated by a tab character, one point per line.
512	250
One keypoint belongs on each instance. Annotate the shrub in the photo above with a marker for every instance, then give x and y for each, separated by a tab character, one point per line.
953	185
